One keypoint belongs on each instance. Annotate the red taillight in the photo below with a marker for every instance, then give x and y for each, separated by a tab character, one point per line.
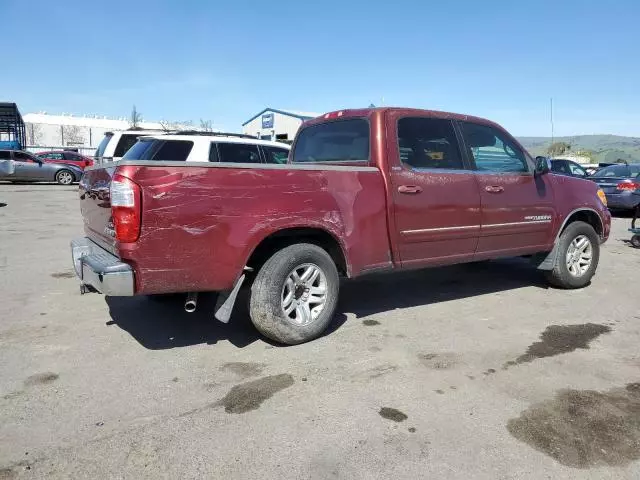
125	209
628	186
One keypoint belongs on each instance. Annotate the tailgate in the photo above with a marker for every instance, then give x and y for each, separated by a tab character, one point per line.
95	206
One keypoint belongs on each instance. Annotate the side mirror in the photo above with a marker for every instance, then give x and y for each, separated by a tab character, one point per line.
543	165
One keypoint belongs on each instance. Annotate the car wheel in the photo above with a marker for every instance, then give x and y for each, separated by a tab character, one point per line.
295	294
635	241
65	177
577	256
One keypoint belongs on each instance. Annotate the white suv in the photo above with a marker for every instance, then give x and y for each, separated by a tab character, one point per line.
115	144
193	146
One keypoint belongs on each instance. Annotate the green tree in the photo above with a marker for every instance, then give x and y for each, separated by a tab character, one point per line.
558	148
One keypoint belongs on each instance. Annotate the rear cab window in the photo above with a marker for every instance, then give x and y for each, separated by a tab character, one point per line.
336	141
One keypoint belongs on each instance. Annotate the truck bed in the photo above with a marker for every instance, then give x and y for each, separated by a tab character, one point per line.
201	222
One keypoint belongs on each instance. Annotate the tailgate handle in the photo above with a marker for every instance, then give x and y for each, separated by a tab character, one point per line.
494	189
409	189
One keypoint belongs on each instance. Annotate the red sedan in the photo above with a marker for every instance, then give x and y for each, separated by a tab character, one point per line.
64	156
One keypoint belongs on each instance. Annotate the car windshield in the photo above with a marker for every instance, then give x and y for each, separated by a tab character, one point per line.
103	145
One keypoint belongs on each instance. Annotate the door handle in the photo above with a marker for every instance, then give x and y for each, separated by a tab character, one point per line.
494	189
409	189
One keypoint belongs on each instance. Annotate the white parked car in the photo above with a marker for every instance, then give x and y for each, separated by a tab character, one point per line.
115	144
193	146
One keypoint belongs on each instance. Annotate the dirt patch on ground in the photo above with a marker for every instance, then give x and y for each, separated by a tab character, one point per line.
242	369
559	339
63	275
41	379
392	414
370	323
249	396
439	361
584	428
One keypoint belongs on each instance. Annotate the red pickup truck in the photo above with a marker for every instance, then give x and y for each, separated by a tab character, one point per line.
363	191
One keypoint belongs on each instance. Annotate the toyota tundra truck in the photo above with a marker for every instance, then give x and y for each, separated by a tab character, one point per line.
363	191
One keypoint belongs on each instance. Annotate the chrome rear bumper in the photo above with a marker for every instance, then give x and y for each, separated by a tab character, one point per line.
101	270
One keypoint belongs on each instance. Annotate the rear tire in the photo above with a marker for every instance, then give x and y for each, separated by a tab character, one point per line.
577	257
635	241
295	294
65	177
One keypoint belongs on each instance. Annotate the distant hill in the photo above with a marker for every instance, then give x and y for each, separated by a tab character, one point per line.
606	148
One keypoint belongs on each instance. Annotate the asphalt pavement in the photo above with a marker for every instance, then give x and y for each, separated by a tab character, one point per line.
476	371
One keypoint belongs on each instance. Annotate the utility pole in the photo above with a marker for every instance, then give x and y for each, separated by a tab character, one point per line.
551	112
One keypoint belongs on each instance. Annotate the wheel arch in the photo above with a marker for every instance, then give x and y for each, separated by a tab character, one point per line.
546	261
292	235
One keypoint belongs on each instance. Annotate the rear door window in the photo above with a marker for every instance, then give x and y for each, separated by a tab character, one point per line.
213	153
72	156
160	150
276	155
560	166
338	141
126	142
238	153
428	143
5	155
173	150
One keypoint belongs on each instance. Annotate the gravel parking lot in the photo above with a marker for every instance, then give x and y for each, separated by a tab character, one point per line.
474	371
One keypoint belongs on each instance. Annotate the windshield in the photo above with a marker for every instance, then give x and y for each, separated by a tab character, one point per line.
338	141
103	145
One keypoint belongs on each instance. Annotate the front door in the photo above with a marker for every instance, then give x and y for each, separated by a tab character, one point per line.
435	194
518	211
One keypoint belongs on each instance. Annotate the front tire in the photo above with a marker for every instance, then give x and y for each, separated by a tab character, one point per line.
65	177
295	294
577	257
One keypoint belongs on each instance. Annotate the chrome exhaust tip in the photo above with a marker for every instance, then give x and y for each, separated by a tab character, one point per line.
191	302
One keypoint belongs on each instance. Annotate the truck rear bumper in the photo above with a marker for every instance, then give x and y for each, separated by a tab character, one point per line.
101	270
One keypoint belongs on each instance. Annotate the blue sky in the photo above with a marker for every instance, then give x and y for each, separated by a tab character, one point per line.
225	61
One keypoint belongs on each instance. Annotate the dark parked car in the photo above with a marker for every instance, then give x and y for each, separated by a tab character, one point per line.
29	168
568	168
619	183
64	156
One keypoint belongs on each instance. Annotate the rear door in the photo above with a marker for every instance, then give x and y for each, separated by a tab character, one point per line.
518	211
435	195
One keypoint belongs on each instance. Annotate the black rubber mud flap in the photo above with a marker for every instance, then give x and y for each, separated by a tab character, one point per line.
224	305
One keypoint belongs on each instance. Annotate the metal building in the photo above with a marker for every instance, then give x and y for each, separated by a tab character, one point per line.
276	124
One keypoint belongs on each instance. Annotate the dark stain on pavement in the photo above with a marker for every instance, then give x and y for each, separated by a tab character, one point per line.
559	339
63	275
7	473
370	323
249	396
242	369
439	361
392	414
41	379
584	428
